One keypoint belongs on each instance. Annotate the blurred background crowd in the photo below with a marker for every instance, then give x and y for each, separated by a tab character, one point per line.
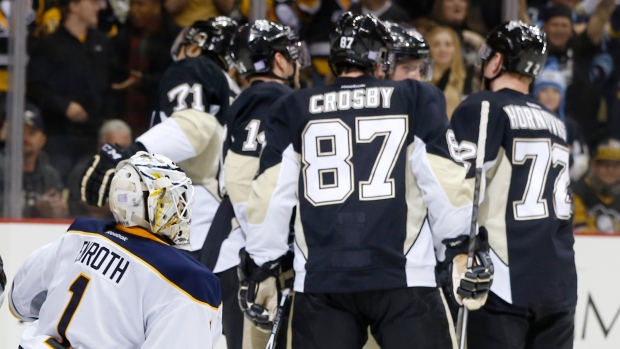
94	68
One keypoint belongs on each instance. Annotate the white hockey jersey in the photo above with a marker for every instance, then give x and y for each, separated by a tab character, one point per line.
106	286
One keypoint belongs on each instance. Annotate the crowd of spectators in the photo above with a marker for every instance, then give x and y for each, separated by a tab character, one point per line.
95	66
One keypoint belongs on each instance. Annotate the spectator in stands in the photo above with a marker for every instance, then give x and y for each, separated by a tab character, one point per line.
613	90
465	20
575	56
143	47
385	10
596	198
186	12
69	78
492	12
448	72
416	9
41	18
550	91
41	183
318	17
538	12
111	132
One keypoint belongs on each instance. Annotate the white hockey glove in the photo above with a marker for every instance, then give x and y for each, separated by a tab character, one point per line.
470	287
259	291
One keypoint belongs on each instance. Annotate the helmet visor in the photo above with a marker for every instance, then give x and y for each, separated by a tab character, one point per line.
179	41
298	52
484	53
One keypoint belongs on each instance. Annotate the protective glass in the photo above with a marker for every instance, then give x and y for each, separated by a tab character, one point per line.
298	51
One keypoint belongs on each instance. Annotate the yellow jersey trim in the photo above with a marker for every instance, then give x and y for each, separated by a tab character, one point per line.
149	266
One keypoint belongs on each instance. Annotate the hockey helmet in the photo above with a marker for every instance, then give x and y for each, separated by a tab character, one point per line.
211	35
409	44
523	46
359	41
150	191
254	45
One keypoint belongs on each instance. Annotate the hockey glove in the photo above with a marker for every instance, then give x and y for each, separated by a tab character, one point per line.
259	290
2	281
98	176
470	286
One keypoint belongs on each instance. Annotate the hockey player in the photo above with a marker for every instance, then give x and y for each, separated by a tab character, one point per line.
2	281
195	95
526	205
188	78
269	56
367	164
411	54
122	284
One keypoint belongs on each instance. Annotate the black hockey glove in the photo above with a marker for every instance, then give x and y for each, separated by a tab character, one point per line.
2	280
470	286
259	290
98	176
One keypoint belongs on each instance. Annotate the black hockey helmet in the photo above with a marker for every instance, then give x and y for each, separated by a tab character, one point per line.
524	48
212	35
254	45
359	41
409	44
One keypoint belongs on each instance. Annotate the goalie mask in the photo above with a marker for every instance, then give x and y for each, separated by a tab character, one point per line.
150	191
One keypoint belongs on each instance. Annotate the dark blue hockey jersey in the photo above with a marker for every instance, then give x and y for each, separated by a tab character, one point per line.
368	166
526	203
193	83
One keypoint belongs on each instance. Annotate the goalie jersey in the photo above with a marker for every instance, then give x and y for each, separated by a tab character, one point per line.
368	166
106	286
525	199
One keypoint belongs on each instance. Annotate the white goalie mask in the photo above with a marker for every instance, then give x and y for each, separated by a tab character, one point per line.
152	192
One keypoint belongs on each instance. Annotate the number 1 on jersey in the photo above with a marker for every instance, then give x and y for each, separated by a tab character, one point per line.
77	289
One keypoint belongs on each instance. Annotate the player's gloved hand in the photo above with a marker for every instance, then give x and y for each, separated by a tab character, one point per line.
98	176
259	290
2	281
470	286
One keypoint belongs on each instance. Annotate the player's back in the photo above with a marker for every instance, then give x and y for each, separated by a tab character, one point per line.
527	206
106	286
195	83
361	209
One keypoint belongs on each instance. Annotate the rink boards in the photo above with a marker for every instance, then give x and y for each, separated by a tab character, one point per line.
597	322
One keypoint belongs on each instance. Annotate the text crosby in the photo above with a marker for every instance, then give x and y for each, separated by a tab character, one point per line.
356	98
104	261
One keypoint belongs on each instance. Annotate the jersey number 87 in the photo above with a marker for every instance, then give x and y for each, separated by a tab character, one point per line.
328	172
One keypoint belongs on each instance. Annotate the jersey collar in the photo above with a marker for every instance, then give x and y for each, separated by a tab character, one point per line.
140	232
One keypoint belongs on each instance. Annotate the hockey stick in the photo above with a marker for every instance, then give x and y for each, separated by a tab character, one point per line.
482	140
271	344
